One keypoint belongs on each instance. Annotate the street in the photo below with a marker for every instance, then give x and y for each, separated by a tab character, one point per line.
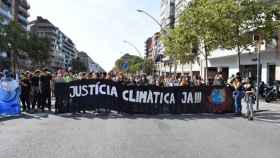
139	136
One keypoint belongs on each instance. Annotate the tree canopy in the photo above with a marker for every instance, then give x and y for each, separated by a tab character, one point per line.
207	25
20	44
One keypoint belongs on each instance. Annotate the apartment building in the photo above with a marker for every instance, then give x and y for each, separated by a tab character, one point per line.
153	47
63	49
226	60
16	10
167	13
89	63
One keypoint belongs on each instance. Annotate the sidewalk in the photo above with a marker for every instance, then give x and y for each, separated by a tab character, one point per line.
269	112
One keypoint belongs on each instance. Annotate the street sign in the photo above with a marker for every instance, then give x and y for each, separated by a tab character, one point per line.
125	66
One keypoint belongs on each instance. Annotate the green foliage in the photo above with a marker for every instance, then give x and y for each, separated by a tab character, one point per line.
21	44
39	49
148	67
213	24
135	63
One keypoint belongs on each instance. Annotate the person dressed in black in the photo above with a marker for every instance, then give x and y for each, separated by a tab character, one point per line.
35	90
25	92
45	88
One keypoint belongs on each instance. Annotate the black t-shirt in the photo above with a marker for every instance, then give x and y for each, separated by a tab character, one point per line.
35	81
45	81
26	86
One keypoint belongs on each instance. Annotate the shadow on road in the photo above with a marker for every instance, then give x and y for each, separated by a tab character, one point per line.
38	116
185	117
269	116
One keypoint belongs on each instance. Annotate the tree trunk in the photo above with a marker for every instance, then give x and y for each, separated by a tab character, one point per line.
175	68
238	58
206	66
191	71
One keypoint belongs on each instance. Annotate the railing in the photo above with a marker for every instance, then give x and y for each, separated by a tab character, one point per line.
23	19
6	12
24	11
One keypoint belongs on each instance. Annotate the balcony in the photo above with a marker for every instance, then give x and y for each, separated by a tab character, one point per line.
6	12
8	2
23	11
24	4
22	19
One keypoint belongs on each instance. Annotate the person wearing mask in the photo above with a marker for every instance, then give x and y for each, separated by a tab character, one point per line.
198	81
58	97
237	94
68	77
249	98
218	80
185	83
45	87
25	92
35	89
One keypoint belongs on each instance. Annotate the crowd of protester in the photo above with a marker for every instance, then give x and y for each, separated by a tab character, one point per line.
37	87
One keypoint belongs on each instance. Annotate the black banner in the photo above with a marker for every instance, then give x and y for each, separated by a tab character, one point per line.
98	94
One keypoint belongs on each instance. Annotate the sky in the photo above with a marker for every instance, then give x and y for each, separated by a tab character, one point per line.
99	27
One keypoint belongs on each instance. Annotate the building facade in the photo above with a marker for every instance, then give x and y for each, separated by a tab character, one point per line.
153	47
167	13
21	13
226	60
89	63
6	11
16	10
180	6
63	49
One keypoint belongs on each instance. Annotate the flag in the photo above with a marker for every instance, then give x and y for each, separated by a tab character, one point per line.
9	98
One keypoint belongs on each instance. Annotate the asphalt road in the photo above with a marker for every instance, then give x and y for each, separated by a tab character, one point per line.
90	136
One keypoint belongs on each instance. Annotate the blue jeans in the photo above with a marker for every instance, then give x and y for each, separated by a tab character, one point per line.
237	101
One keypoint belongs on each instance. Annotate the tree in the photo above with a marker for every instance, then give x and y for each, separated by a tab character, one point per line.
134	63
198	24
38	49
211	24
242	19
180	44
148	67
15	42
78	66
22	45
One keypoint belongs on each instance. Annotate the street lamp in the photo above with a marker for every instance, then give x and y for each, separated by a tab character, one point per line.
133	46
153	18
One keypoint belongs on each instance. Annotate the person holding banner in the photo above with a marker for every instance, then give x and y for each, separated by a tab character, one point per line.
35	89
9	95
238	93
25	91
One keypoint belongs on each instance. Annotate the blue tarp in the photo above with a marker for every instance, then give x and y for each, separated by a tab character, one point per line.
9	98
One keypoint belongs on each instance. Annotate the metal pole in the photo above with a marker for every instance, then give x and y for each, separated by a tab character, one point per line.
132	45
153	18
258	73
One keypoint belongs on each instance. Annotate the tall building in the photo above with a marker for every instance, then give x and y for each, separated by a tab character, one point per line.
149	48
89	63
63	49
16	10
153	47
226	61
67	49
6	11
21	13
167	13
180	6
